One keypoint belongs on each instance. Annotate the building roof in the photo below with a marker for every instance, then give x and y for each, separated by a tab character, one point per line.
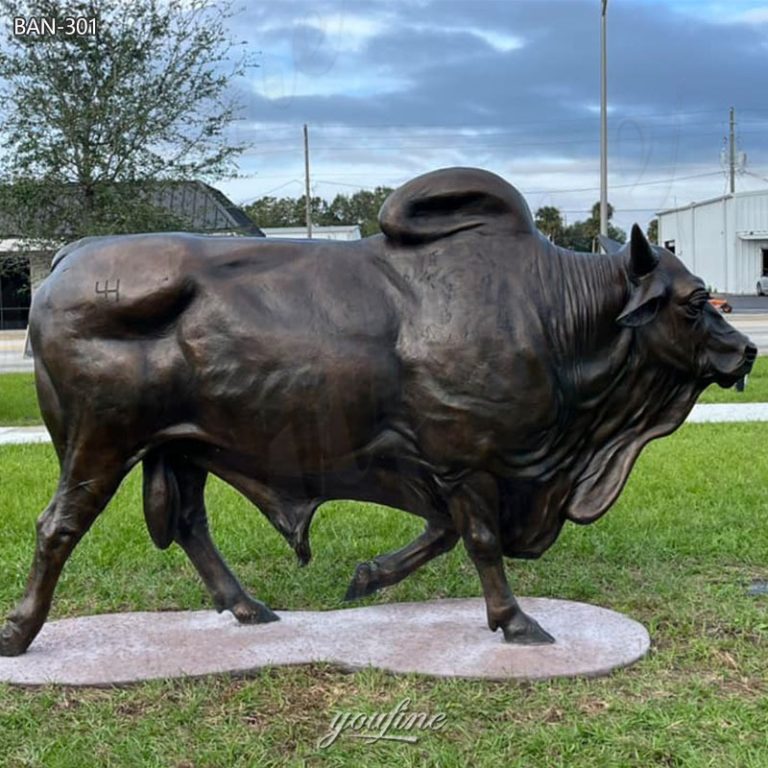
207	208
709	201
202	208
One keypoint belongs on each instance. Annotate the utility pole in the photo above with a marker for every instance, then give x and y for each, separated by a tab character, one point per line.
732	152
603	127
306	183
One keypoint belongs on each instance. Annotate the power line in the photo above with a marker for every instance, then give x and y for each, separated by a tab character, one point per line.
249	200
671	179
623	186
586	118
468	143
460	134
756	175
673	117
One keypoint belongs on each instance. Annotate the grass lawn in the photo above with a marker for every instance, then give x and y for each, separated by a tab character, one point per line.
756	390
677	553
18	401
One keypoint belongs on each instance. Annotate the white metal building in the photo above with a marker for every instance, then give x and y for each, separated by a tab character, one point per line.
724	240
340	232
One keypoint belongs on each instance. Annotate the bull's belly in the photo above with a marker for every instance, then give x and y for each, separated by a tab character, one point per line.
530	516
375	478
302	449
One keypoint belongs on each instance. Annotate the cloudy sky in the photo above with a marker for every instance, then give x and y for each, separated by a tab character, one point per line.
393	88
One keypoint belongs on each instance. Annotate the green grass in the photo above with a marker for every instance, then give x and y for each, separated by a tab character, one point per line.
756	390
677	553
18	400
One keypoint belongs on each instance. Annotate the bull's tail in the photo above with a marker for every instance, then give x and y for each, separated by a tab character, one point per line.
162	507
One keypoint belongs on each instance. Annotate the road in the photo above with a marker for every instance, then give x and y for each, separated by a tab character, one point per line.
747	305
12	358
750	316
753	325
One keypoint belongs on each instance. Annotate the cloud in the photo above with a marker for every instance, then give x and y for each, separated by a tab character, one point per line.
395	88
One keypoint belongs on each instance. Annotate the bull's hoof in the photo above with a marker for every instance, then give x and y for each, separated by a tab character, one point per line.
365	582
12	641
523	630
252	611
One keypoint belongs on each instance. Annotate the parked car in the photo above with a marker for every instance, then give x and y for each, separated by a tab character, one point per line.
762	286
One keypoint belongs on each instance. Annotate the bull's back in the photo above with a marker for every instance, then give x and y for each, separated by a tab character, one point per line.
134	285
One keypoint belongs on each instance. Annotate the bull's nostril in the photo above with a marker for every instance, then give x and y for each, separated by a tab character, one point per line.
750	353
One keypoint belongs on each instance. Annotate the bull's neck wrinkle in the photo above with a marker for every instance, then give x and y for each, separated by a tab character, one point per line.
593	291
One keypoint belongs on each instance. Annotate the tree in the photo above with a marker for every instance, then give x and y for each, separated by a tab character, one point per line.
285	211
550	221
653	231
579	236
91	121
361	208
582	235
595	216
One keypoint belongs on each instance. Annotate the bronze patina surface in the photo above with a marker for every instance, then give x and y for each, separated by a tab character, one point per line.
459	366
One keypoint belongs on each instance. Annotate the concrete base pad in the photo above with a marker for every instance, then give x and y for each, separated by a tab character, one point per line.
445	638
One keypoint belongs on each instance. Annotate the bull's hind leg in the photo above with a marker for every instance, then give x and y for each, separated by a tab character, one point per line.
89	477
474	509
385	570
193	536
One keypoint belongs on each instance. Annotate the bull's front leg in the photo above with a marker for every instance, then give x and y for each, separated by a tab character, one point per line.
474	509
389	569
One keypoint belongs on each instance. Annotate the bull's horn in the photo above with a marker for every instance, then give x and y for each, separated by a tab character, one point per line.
642	259
609	245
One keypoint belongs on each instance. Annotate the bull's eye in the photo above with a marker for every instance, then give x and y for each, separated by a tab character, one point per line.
696	303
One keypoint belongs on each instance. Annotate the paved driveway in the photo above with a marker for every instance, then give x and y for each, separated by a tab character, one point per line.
750	305
12	352
753	325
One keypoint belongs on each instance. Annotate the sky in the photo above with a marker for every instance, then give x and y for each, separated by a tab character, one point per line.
390	89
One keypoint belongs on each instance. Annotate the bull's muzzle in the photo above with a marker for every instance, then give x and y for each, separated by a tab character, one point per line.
742	368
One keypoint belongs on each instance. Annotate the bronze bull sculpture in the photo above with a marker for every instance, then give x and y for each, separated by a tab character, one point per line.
459	366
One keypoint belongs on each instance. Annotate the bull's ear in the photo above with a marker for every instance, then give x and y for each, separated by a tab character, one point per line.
609	246
642	259
644	303
648	291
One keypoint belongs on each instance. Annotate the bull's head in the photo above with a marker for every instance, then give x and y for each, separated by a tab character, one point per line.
675	323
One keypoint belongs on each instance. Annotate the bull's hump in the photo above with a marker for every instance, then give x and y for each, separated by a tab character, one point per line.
451	200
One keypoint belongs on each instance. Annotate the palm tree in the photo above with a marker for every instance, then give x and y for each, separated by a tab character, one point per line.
550	221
